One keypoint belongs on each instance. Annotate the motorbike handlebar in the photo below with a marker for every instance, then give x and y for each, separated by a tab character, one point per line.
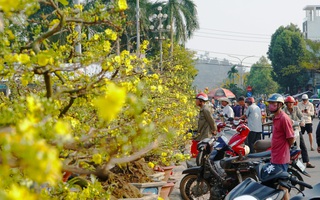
294	180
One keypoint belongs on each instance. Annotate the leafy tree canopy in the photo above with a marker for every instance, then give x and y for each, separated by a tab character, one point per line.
286	51
260	78
83	112
312	59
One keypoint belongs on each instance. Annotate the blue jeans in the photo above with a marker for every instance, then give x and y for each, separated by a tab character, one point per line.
282	166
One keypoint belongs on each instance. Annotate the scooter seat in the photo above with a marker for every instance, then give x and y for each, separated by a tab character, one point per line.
259	155
262	145
224	162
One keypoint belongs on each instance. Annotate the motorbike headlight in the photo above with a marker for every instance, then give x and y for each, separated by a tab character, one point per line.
275	196
245	197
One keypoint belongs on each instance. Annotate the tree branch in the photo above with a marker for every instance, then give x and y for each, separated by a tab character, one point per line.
65	109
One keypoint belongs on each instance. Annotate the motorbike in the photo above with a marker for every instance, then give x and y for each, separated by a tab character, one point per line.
270	178
216	174
296	167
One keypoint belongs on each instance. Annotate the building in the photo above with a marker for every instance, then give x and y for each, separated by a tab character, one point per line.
311	23
211	72
311	31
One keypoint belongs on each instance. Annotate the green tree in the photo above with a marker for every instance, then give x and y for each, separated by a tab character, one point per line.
183	18
312	58
260	78
83	113
286	51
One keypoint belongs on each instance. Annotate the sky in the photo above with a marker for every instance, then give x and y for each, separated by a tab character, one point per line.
241	30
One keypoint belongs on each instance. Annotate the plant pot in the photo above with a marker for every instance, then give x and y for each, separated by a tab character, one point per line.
167	171
159	176
166	190
171	180
150	187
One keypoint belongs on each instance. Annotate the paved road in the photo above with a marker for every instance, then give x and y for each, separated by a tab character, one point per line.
314	157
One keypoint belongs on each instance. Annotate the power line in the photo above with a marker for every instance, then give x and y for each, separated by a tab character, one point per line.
232	62
231	39
235	32
241	36
223	53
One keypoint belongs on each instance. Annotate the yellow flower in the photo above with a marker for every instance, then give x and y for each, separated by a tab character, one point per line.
122	5
110	105
79	6
24	58
151	165
54	22
164	154
62	127
160	89
106	46
43	60
96	37
153	88
97	158
111	34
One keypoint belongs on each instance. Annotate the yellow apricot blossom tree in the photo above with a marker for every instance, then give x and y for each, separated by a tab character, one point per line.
82	112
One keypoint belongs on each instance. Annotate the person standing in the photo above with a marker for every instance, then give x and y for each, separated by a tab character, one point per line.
206	124
240	109
307	110
318	137
253	116
282	135
296	115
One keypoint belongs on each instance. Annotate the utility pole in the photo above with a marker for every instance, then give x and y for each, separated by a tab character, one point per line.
240	65
78	30
138	28
158	19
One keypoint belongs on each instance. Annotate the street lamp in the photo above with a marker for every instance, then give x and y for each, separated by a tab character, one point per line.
240	65
158	27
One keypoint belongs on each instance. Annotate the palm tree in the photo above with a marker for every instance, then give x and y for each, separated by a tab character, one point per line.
231	74
183	18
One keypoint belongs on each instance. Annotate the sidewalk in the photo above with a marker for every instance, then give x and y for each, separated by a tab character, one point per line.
177	174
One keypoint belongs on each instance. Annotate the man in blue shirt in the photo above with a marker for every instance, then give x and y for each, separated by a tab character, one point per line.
240	109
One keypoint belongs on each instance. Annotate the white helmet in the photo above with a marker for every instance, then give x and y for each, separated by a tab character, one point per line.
246	149
305	96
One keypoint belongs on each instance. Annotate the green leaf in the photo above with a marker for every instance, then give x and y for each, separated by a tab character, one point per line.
64	2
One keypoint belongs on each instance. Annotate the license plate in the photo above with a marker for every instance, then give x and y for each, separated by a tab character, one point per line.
300	165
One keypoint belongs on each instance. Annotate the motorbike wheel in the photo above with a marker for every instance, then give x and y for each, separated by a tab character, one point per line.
199	158
298	176
191	188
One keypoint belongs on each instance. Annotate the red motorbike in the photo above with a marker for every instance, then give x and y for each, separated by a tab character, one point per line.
216	174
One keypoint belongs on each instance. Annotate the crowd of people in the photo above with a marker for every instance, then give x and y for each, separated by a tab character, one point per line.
289	119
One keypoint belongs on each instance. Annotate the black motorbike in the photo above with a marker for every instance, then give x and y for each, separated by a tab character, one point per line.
216	175
296	167
270	178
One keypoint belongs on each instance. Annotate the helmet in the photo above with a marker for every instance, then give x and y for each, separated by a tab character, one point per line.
276	98
225	99
305	96
246	149
202	96
249	100
289	99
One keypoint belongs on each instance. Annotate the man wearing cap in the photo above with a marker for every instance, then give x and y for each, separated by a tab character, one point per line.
307	110
206	124
227	110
